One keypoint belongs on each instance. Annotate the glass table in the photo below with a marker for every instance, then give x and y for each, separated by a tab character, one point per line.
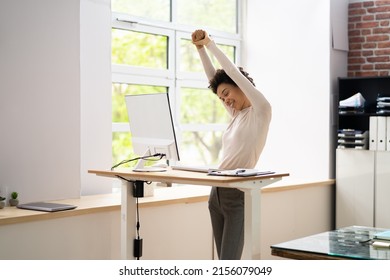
353	242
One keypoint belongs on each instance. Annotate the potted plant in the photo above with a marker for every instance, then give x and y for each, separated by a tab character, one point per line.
14	199
2	202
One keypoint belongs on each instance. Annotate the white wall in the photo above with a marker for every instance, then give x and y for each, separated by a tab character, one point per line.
338	66
40	98
294	213
288	53
55	96
95	56
92	236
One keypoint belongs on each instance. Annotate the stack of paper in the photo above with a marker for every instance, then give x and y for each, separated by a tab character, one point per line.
352	105
384	235
383	104
352	139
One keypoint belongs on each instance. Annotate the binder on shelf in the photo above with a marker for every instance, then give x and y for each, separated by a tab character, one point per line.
381	134
373	133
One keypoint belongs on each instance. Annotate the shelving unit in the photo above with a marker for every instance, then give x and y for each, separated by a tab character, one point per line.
369	87
361	177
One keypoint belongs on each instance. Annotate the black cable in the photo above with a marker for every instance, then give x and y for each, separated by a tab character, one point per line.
138	223
138	254
160	155
130	181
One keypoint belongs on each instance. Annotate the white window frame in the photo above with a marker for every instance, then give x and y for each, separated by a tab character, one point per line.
172	77
144	71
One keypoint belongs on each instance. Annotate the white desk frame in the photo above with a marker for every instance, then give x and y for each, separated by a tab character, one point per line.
251	186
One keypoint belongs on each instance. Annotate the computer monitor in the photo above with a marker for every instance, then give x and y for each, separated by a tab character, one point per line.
151	127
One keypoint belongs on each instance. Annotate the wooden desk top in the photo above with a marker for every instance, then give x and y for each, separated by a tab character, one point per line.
185	177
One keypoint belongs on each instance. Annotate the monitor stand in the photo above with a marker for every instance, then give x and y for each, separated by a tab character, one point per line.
150	169
140	167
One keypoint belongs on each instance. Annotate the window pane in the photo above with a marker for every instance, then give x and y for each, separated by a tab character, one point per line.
201	106
121	147
139	49
217	14
119	112
189	57
201	147
152	9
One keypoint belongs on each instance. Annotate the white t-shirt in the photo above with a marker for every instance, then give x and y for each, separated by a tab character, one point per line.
244	139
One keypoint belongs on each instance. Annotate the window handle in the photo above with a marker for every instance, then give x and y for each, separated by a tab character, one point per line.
124	19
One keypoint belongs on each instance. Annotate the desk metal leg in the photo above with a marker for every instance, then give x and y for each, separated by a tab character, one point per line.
128	221
252	224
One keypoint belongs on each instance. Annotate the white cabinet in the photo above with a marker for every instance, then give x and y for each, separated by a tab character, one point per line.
362	188
382	189
354	187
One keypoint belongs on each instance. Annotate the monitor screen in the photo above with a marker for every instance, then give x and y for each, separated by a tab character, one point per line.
151	126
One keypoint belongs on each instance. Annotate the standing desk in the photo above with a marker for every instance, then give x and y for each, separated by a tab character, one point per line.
249	185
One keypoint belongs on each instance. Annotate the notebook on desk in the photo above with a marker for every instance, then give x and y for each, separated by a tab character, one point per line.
239	172
384	235
46	206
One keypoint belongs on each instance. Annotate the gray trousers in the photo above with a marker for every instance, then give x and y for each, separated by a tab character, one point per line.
226	206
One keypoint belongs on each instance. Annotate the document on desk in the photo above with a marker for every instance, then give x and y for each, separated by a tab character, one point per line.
384	235
239	172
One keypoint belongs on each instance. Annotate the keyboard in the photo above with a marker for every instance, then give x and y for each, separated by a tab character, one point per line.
201	168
